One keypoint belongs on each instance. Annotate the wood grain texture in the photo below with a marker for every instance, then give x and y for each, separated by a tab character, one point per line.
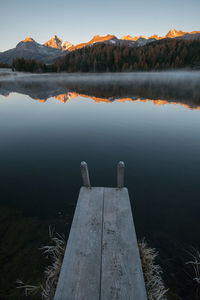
80	273
102	260
121	276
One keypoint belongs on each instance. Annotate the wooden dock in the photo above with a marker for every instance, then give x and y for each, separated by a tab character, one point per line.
102	260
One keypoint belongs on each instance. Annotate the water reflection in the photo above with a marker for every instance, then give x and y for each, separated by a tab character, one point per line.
162	88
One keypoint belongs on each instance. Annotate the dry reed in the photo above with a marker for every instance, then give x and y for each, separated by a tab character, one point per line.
55	253
152	272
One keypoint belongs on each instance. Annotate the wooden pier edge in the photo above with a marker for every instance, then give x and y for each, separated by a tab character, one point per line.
101	260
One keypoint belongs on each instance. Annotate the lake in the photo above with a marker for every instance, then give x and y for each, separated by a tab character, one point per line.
50	123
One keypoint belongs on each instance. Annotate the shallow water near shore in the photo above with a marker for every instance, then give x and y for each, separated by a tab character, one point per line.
50	123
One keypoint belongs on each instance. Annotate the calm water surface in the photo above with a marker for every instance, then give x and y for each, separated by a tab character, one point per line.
48	125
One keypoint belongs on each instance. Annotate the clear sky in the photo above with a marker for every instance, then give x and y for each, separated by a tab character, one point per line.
79	20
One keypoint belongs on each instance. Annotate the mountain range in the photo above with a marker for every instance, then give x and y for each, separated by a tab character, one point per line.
55	48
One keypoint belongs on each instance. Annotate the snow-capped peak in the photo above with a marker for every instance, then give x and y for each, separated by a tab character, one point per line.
66	45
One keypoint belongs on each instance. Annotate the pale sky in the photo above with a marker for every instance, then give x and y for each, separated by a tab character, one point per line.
78	21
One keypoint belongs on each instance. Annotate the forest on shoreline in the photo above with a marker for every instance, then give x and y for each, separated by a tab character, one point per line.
160	55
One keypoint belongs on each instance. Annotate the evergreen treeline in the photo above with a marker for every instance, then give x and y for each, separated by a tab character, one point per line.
28	65
159	55
3	65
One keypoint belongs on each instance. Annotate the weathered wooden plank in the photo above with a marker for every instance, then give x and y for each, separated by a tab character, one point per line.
121	274
80	273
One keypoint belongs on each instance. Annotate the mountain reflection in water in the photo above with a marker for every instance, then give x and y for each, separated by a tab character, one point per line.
162	88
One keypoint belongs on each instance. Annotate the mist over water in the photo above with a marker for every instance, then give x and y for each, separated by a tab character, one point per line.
182	87
150	121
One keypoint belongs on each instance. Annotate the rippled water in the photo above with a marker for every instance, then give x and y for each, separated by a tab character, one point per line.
50	123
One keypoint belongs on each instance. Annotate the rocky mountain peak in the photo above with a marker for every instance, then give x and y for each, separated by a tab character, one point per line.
155	36
99	38
171	33
28	39
127	38
57	43
174	33
54	42
66	45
